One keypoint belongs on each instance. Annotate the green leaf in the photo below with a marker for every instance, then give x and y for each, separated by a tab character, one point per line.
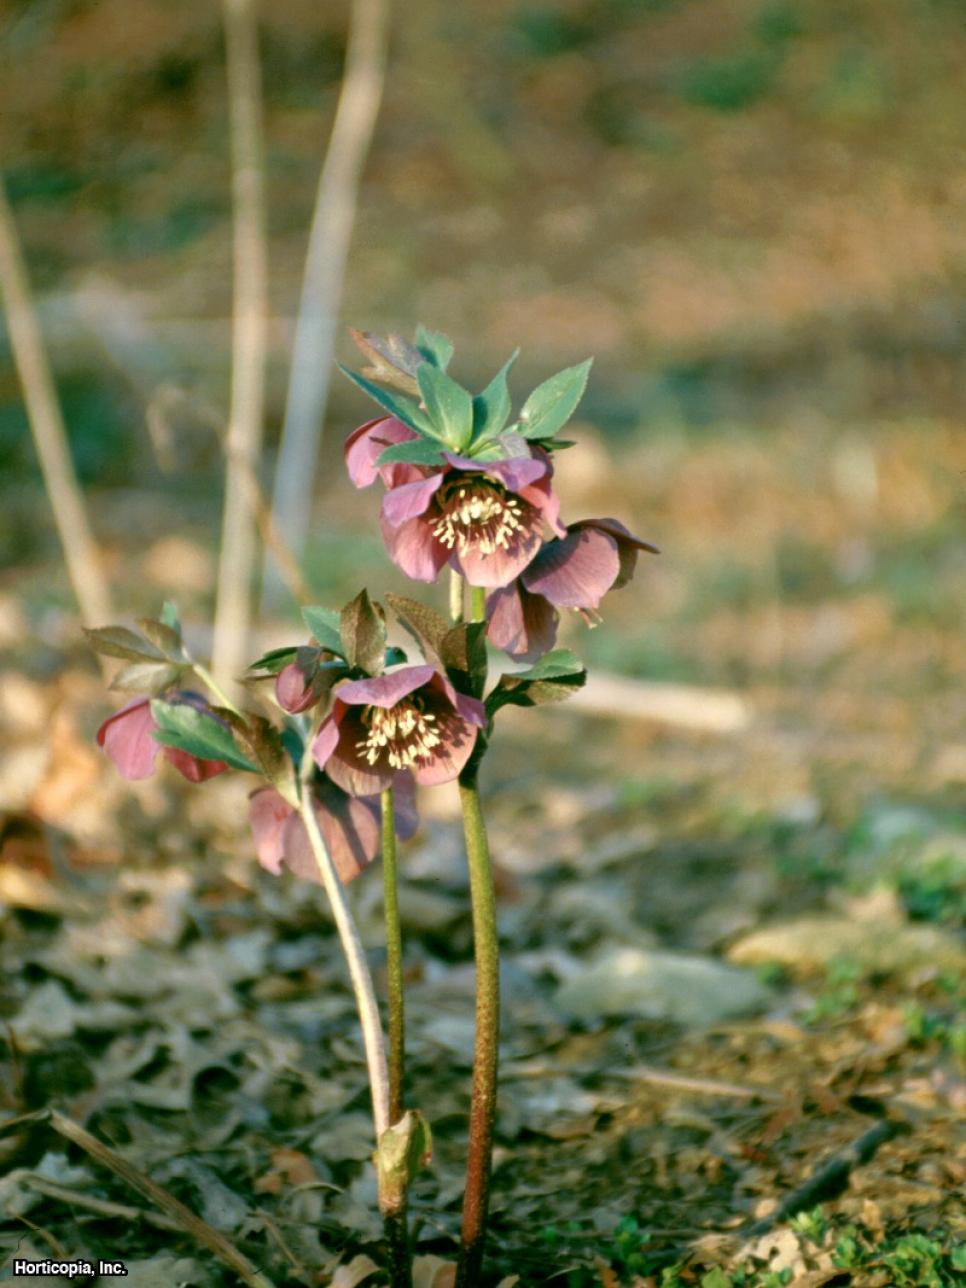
323	624
154	678
169	616
427	627
449	405
403	409
164	637
197	733
403	1150
555	677
275	660
434	346
394	657
392	360
491	408
463	653
552	404
418	451
118	641
362	628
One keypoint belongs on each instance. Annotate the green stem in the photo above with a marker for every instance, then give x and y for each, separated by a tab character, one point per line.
394	1216
394	961
205	676
486	947
486	1052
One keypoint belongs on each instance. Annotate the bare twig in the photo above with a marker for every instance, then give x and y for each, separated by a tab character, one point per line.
332	220
182	1216
249	334
47	426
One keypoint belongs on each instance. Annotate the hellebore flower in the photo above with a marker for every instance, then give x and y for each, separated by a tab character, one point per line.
350	827
411	719
574	571
126	737
483	518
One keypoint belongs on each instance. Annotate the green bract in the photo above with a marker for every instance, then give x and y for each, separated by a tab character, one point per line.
448	416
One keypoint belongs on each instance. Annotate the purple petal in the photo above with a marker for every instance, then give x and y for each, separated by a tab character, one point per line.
364	446
414	549
575	572
349	827
523	625
410	500
516	473
126	737
385	690
267	815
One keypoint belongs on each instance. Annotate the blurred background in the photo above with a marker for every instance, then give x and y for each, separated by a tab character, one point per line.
753	212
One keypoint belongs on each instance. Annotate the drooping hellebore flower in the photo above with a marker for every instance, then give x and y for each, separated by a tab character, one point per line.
575	571
350	827
485	519
127	738
305	681
411	719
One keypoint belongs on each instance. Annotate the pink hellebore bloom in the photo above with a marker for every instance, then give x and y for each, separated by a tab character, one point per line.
410	719
294	691
350	826
483	518
127	738
576	571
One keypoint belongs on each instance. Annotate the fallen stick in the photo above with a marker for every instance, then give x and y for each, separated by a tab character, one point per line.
831	1177
102	1207
181	1217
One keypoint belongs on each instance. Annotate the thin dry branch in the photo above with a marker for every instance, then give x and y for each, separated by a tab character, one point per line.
331	232
174	1210
48	429
249	341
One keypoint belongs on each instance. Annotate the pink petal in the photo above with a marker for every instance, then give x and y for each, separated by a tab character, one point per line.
516	473
502	565
627	545
126	737
349	827
385	690
267	816
191	767
449	757
542	496
404	805
414	549
575	572
471	709
364	446
293	692
410	500
523	625
325	741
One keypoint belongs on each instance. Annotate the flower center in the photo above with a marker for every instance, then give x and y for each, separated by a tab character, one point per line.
404	734
480	514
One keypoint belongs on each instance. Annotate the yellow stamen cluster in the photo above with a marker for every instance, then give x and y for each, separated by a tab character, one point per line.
403	734
478	514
